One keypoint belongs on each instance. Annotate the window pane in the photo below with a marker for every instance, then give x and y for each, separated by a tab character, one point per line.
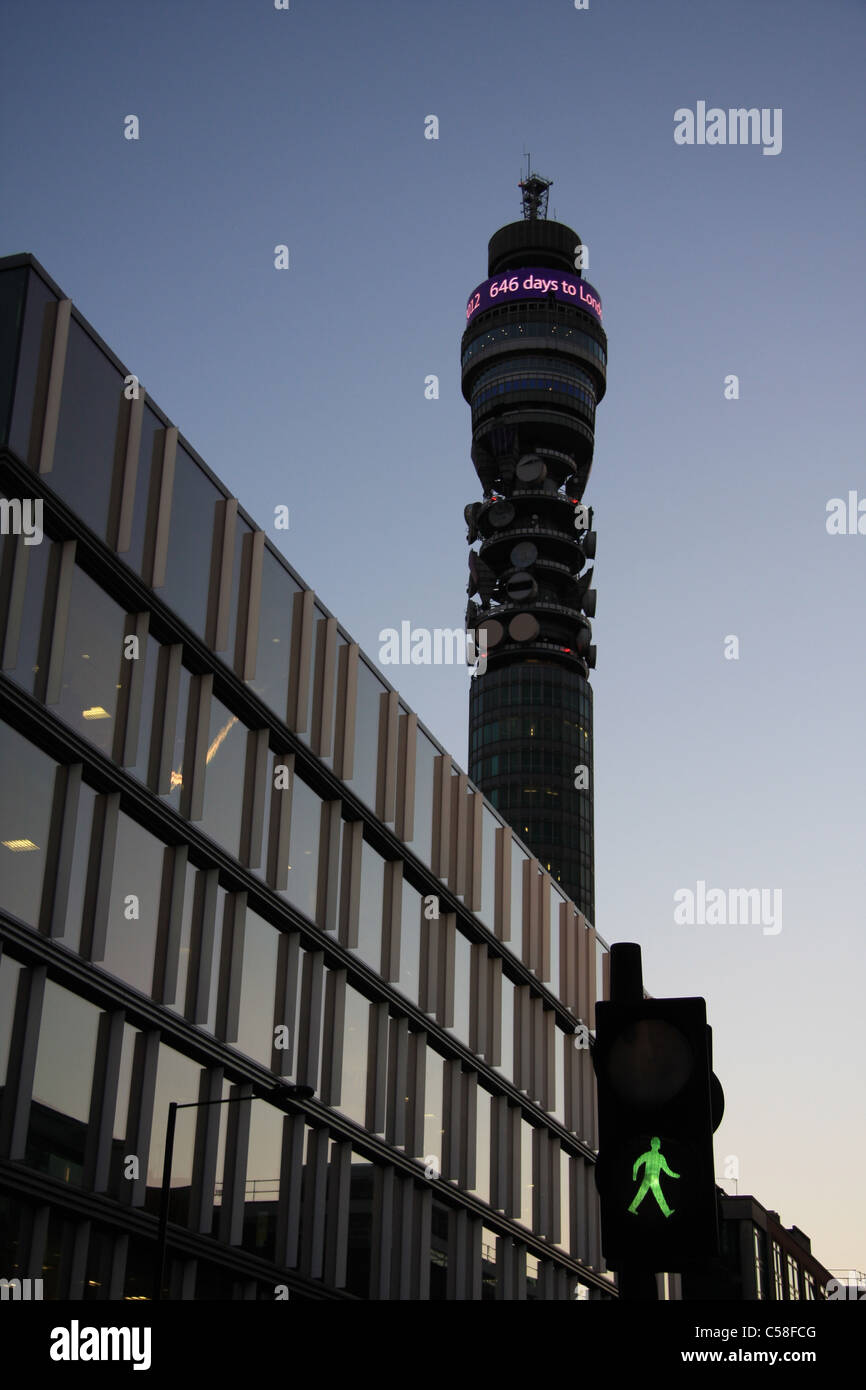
27	657
262	1190
370	907
24	823
271	680
242	529
150	656
482	1145
119	1148
328	758
10	973
179	1003
565	1201
363	779
177	1079
353	1095
91	663
150	452
133	910
27	792
91	430
425	755
258	979
525	1217
434	1072
187	572
410	943
78	871
35	342
62	1083
172	796
224	777
304	848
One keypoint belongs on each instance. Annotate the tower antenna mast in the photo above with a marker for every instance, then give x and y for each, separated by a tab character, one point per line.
534	190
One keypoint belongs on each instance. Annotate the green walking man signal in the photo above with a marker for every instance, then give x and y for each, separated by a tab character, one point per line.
653	1163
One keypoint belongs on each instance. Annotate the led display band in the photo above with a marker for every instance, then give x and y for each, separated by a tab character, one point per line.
533	283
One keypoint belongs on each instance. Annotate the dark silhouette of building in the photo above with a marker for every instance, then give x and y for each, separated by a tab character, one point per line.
760	1259
534	358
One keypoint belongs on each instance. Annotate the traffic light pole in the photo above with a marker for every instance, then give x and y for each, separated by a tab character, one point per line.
636	1285
658	1106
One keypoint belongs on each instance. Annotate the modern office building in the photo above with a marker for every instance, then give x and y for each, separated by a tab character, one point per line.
230	854
760	1258
534	362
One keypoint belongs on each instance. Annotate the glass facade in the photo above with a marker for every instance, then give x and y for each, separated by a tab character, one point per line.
167	828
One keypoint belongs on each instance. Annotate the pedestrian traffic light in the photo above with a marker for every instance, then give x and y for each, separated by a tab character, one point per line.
656	1118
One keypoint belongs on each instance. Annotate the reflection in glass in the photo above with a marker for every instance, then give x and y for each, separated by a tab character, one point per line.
482	1145
410	942
150	656
370	907
187	571
172	796
78	868
364	767
91	662
10	973
360	1225
27	657
120	1126
273	649
91	430
26	796
150	452
304	848
36	330
328	758
488	1264
353	1095
262	1189
224	777
564	1240
258	978
133	909
242	530
426	753
433	1123
177	1079
525	1217
62	1083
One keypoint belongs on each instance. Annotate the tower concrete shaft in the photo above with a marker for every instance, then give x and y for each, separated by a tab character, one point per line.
534	361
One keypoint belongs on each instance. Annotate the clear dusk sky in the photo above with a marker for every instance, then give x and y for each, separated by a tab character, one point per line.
305	387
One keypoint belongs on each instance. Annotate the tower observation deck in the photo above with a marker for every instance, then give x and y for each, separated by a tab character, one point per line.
534	360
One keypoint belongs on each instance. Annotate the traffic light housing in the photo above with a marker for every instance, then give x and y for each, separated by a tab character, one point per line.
658	1105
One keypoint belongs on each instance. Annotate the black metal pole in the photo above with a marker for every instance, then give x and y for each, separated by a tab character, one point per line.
162	1236
626	987
279	1092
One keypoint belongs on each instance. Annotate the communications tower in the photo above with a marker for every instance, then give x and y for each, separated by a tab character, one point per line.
534	359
